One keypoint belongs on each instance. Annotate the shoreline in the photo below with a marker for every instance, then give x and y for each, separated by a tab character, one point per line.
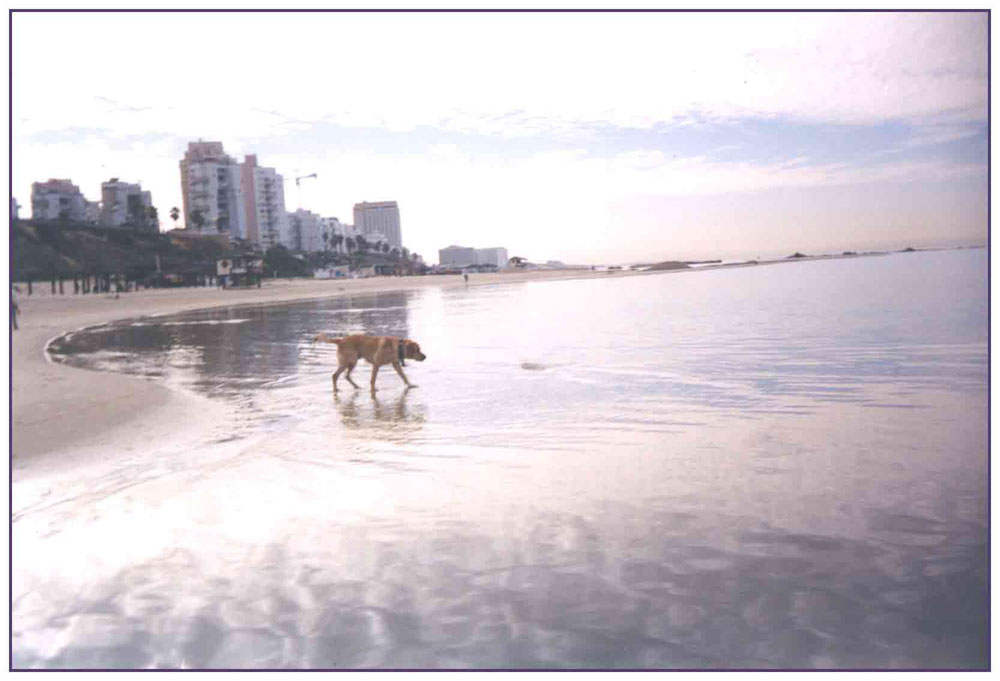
62	411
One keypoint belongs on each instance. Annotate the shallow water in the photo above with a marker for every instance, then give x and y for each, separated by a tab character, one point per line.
769	467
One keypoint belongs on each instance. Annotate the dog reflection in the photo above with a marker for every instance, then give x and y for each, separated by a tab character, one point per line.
391	418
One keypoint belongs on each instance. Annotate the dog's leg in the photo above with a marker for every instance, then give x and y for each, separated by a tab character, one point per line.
374	374
336	375
399	370
350	368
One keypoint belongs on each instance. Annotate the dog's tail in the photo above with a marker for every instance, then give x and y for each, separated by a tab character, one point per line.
326	338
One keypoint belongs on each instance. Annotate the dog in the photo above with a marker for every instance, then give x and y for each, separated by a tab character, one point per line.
376	350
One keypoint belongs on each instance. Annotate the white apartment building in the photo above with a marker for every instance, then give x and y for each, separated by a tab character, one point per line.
456	256
58	200
244	200
306	229
123	203
462	256
332	228
492	256
264	198
379	218
211	189
343	229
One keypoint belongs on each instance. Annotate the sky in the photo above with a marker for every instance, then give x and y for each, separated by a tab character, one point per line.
579	137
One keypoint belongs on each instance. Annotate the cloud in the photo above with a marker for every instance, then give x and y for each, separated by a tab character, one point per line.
534	124
507	74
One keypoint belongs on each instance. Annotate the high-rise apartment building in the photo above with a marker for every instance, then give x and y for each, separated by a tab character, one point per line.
127	204
264	200
244	200
211	189
379	218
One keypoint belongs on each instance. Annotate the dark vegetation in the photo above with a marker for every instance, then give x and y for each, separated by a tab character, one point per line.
47	250
42	251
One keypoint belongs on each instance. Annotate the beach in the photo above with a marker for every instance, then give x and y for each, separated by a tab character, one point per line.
754	467
63	410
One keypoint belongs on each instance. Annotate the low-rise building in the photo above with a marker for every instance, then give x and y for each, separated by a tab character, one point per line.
305	231
58	200
333	272
375	241
333	234
127	204
240	269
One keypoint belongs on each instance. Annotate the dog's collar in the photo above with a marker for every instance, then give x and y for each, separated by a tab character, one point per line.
399	351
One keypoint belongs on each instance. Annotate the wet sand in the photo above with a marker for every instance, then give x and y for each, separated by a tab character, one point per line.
805	457
60	413
69	412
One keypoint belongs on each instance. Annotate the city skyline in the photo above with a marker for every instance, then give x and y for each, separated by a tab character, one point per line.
596	137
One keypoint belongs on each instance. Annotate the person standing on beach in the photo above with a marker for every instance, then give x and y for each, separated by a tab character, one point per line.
14	309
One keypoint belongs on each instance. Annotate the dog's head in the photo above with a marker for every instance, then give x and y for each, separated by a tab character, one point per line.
411	350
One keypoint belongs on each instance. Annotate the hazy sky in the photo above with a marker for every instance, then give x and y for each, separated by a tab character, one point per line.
578	137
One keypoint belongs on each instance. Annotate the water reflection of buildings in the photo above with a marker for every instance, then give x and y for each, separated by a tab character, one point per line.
227	348
268	345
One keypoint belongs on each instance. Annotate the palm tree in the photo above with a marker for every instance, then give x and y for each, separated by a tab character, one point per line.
394	252
174	214
337	240
326	240
406	253
385	247
361	243
349	242
198	219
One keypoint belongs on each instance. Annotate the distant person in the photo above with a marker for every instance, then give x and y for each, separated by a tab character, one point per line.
14	310
466	278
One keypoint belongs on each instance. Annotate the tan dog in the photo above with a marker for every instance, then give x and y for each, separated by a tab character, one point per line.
376	350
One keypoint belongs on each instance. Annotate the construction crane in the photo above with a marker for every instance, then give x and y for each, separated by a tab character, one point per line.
298	186
304	177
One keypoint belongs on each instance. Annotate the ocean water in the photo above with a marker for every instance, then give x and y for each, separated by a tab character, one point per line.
765	467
